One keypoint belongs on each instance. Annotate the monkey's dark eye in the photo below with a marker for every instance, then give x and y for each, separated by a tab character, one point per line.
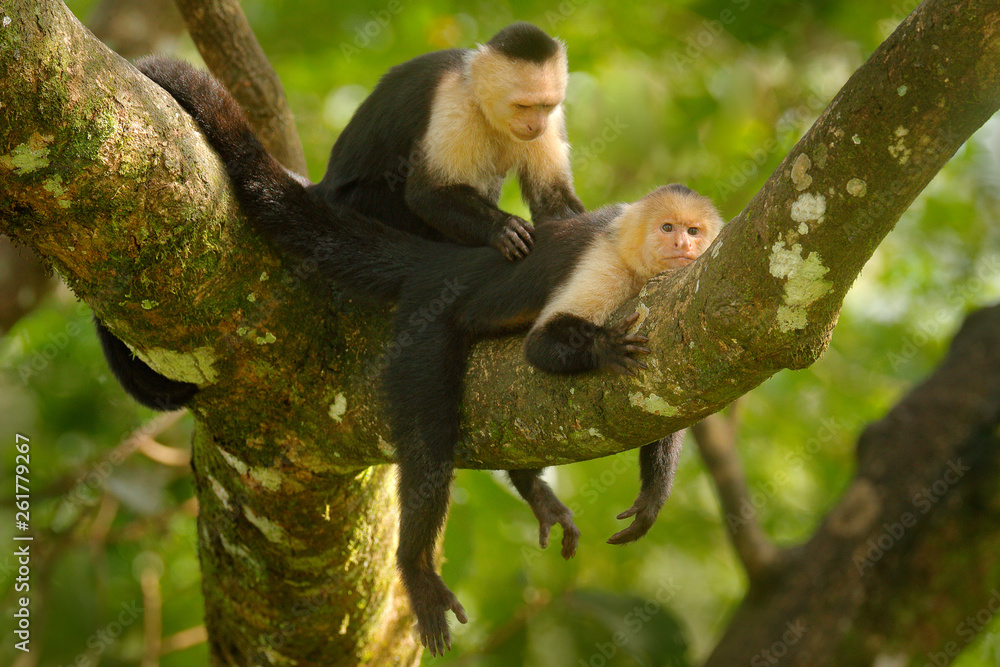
694	231
667	227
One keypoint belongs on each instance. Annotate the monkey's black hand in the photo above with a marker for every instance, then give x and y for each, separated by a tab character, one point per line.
616	348
514	238
431	600
645	509
549	511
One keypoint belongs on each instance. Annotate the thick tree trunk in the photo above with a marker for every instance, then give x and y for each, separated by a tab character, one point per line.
298	563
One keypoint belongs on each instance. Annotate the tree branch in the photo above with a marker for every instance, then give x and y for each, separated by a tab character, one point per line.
716	438
713	338
226	42
925	486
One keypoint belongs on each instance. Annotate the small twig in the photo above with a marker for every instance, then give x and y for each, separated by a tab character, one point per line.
152	607
131	443
170	456
184	639
100	526
716	438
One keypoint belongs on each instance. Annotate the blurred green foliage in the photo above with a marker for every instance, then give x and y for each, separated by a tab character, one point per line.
712	93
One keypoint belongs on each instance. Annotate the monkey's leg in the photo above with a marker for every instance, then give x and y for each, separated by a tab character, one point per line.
657	466
423	390
548	509
424	493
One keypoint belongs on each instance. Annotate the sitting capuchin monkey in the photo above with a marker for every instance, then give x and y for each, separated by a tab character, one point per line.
428	151
579	271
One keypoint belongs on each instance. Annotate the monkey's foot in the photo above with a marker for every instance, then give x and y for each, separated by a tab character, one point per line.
515	238
618	348
431	600
645	509
549	511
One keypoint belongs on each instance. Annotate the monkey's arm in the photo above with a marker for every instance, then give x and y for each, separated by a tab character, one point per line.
465	216
568	344
550	201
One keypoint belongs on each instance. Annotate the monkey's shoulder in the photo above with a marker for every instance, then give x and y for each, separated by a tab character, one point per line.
393	117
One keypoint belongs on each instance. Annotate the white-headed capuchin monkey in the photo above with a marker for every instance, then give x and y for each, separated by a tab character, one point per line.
553	290
428	151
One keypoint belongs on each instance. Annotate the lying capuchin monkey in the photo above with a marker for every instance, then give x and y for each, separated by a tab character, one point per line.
428	151
578	272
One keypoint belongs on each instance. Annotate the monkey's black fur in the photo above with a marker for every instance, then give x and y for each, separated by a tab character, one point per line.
139	380
524	41
422	384
376	153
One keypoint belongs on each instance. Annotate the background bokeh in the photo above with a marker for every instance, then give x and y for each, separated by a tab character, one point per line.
711	93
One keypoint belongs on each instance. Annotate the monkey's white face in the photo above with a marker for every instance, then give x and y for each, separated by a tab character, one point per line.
666	229
528	121
519	97
682	242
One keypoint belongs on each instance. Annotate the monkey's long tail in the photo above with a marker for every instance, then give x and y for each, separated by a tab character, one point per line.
359	253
